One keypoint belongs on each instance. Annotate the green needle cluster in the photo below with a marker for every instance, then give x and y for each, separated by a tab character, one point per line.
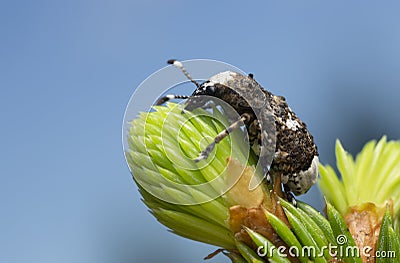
373	176
210	201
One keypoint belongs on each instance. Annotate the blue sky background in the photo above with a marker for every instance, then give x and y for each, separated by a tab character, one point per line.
68	69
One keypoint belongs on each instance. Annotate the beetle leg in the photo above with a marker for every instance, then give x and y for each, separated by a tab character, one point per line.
268	176
253	133
204	154
289	195
169	97
264	148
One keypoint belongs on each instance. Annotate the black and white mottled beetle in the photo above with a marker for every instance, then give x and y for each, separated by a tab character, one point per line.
295	156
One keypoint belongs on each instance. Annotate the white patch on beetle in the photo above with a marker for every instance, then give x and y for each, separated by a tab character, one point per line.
223	77
292	124
209	86
300	183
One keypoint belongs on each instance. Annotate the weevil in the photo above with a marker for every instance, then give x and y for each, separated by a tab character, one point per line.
294	153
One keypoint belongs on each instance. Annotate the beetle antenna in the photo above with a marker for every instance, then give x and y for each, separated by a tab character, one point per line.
179	65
